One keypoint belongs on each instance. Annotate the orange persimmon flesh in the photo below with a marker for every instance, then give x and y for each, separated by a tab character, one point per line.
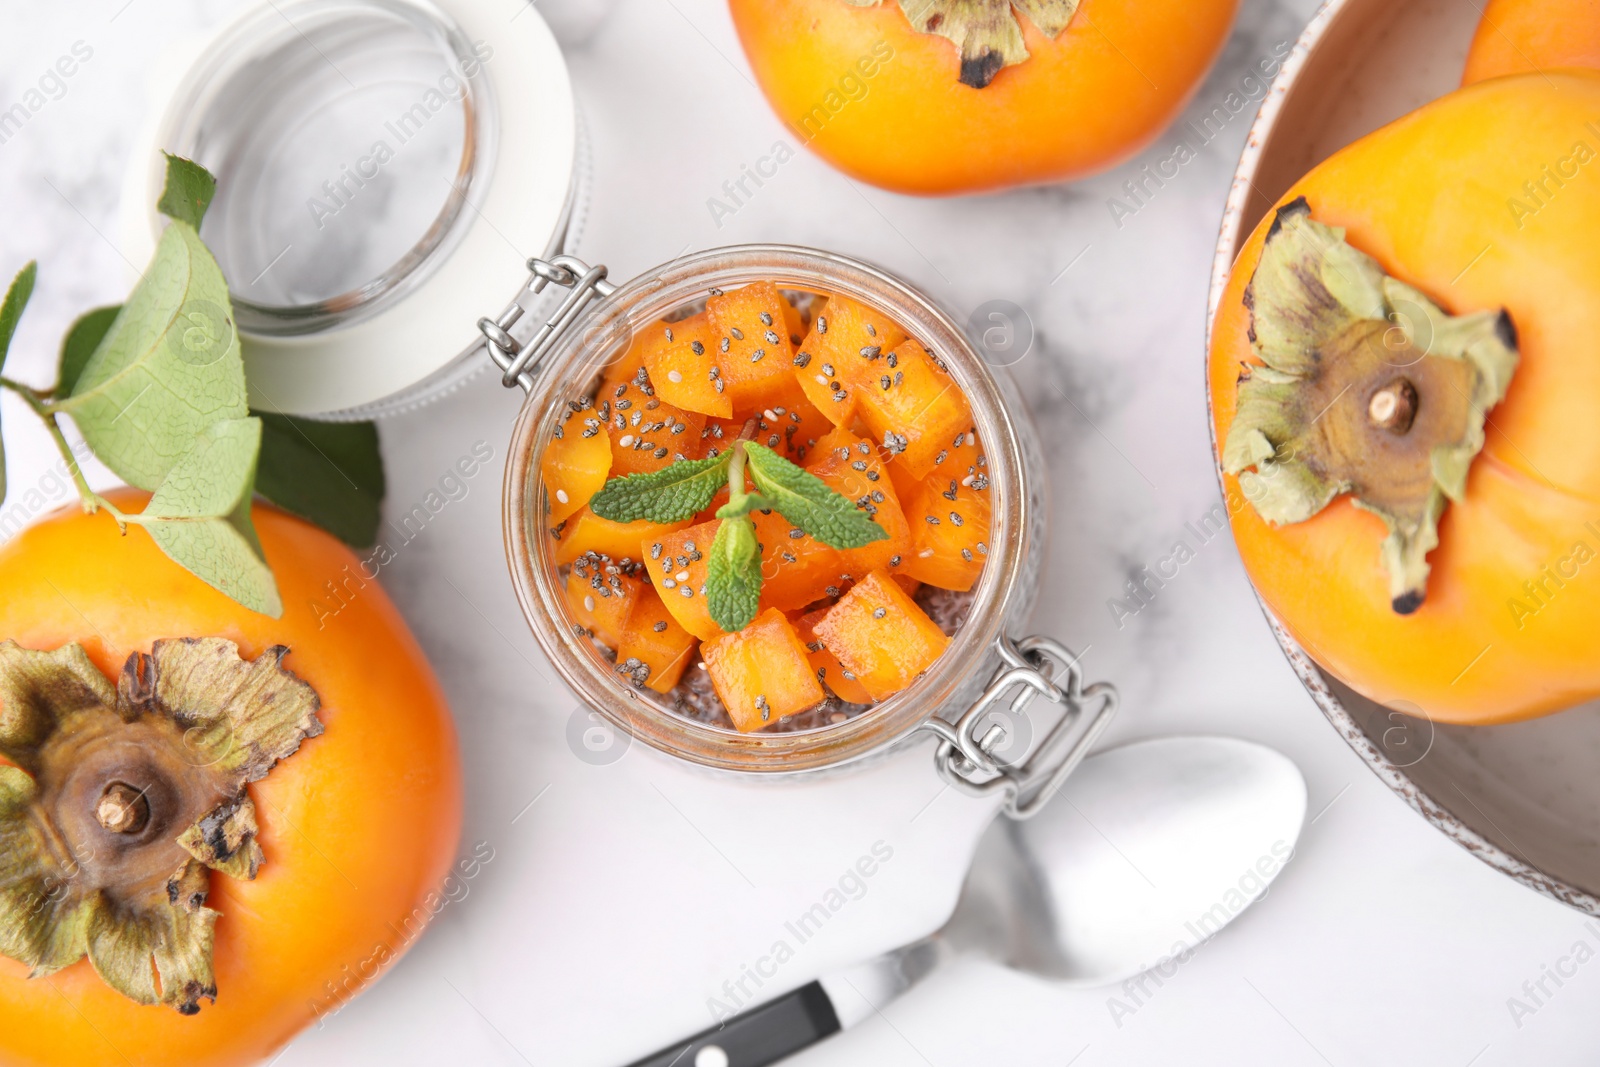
795	570
646	432
908	395
881	636
653	639
852	467
677	565
761	674
602	598
575	464
843	334
587	532
753	355
826	666
679	357
949	534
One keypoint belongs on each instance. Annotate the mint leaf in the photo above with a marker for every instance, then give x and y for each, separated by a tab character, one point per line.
200	515
733	574
670	494
17	296
328	473
188	192
168	368
81	341
808	501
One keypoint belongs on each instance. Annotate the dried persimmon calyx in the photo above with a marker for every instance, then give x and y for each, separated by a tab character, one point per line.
985	31
1365	387
120	800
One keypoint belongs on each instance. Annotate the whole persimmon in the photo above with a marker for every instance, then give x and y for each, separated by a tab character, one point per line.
1404	382
147	823
1522	36
934	97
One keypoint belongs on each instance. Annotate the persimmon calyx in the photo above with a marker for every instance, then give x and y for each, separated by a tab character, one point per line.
118	801
985	31
1366	387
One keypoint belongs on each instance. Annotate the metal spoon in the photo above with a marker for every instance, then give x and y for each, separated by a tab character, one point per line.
1148	850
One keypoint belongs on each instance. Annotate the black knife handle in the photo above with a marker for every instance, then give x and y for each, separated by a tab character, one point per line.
760	1036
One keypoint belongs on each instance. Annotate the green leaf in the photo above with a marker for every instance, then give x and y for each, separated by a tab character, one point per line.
168	367
328	473
808	501
189	190
200	515
733	574
17	297
670	494
81	341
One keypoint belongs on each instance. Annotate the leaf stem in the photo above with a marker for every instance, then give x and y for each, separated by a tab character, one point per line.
91	500
736	473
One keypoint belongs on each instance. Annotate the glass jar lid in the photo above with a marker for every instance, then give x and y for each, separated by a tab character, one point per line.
385	167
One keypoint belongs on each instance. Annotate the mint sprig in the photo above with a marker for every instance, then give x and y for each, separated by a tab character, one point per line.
733	570
671	494
156	386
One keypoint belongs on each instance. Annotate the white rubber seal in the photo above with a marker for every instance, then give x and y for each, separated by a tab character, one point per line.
514	214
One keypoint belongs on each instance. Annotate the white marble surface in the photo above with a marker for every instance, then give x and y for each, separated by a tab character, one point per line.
600	929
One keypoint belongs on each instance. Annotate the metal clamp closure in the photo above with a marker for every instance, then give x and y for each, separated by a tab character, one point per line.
516	360
1030	668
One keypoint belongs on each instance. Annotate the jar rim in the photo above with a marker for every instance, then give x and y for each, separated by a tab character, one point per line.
244	53
567	371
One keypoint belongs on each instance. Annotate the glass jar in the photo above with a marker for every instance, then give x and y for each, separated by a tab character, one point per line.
972	700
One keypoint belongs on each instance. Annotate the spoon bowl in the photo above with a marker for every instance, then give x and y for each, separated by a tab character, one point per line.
1148	850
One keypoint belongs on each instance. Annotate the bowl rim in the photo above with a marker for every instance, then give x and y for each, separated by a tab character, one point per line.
1229	240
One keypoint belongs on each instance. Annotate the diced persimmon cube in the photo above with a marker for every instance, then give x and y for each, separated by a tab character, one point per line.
881	636
795	571
753	355
646	432
827	667
587	532
827	394
853	468
906	582
761	673
797	424
575	463
853	332
949	535
654	649
912	406
799	312
602	601
962	461
677	565
625	366
679	356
